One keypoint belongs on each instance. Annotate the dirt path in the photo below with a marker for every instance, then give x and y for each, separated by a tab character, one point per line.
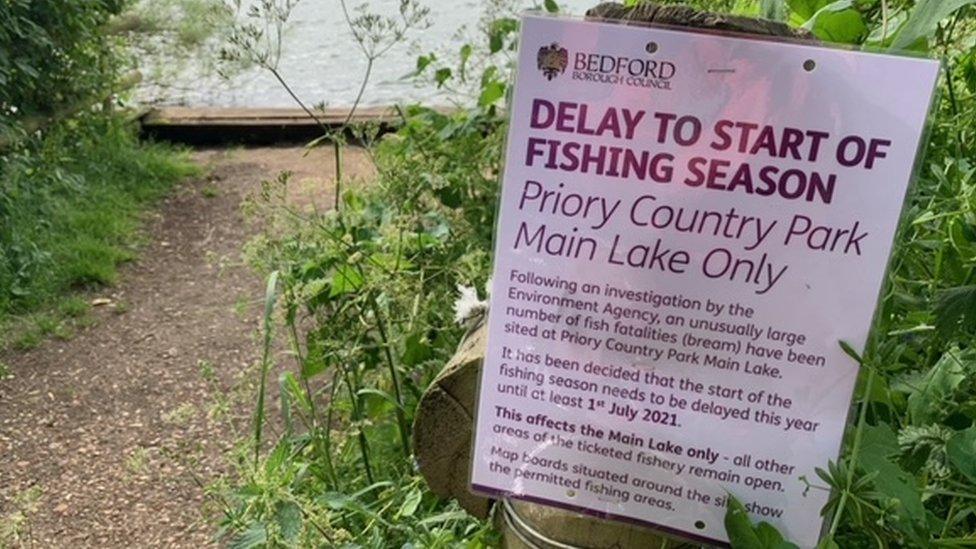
101	436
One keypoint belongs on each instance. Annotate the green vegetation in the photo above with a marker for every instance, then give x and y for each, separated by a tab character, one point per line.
364	295
210	191
73	175
376	283
15	522
58	56
69	217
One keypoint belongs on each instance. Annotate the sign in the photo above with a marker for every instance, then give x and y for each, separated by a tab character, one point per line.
690	224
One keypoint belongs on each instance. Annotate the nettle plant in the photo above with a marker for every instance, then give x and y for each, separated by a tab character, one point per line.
364	297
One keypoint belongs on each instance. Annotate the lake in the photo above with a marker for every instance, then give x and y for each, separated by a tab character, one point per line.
322	63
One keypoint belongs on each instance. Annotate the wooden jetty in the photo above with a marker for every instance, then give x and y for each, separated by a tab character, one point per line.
205	126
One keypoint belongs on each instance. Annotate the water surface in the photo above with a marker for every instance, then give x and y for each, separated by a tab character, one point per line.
323	65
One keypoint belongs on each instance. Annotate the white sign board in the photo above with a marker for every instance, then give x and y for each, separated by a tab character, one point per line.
689	225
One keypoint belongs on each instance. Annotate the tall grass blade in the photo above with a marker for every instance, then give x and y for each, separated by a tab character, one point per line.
270	296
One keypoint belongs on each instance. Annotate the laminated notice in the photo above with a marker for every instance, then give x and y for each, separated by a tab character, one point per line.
690	224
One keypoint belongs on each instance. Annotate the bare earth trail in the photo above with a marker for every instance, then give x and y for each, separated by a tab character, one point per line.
107	431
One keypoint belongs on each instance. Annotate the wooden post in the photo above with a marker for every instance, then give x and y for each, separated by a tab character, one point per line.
443	428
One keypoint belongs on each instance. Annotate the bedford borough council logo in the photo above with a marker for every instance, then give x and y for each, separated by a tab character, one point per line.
552	60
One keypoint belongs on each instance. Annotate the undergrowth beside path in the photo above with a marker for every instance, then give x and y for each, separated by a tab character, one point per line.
107	438
71	204
364	296
74	177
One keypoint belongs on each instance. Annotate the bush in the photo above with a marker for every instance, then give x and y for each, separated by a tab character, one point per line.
56	53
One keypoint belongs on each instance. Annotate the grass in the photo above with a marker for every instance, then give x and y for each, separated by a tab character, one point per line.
15	524
137	463
210	191
181	415
27	331
74	307
27	340
121	307
71	204
242	307
220	402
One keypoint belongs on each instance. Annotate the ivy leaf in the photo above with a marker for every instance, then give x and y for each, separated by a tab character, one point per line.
837	22
423	62
442	75
955	308
449	196
961	450
924	21
498	31
495	42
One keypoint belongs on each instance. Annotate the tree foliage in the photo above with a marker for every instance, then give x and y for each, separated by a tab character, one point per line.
73	174
55	53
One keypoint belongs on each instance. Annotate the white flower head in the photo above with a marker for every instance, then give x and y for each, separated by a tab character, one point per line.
467	304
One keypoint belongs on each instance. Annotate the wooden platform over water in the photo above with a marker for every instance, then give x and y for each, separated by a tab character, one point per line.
199	126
